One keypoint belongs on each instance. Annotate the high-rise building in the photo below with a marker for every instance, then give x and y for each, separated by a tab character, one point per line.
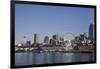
77	38
46	39
52	42
81	37
36	38
55	37
61	39
91	32
28	43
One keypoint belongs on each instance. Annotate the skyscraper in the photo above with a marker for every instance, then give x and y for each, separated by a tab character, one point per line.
55	37
46	39
28	43
36	38
52	42
91	32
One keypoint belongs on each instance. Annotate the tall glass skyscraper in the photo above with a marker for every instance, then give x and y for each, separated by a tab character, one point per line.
36	38
46	39
91	32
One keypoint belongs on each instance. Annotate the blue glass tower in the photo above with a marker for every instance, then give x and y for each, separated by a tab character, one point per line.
91	32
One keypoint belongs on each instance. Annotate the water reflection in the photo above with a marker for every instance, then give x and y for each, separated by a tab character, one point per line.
51	57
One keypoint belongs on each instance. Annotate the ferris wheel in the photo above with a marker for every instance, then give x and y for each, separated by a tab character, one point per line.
69	36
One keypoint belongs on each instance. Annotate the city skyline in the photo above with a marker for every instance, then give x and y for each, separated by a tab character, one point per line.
49	20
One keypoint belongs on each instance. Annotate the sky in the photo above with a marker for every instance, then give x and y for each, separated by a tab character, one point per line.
50	20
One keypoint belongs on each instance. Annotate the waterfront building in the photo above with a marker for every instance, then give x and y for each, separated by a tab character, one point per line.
55	39
77	39
19	44
46	40
85	37
36	38
28	43
81	37
52	42
61	38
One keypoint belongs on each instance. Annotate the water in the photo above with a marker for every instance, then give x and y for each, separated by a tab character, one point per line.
51	57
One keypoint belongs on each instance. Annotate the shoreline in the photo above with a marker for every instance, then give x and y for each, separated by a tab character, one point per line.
74	51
